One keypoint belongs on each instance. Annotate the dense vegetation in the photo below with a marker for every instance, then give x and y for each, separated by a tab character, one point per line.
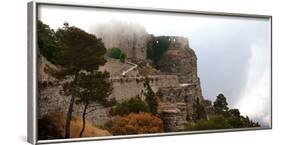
157	47
223	118
49	45
133	105
116	53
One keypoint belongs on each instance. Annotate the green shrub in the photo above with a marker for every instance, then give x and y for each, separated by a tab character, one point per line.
157	47
214	122
219	121
134	105
122	57
116	53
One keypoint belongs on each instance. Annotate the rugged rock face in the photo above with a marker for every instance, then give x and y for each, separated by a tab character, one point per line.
180	60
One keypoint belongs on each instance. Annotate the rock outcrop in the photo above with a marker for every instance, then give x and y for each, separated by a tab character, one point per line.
180	60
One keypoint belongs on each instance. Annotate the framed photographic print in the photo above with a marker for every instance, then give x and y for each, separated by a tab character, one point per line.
110	72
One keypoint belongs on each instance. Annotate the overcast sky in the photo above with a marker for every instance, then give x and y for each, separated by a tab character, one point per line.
233	53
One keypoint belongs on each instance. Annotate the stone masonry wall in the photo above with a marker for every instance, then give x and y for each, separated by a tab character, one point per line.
51	100
128	87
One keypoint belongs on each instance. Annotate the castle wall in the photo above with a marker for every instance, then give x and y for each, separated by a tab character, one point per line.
51	100
128	87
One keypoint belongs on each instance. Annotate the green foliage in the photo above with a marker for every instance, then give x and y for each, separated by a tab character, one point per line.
199	111
116	53
214	122
249	123
122	57
93	87
220	105
157	47
150	97
224	118
47	42
134	105
219	121
80	50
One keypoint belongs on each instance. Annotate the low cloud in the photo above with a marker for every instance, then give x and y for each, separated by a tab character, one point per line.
234	59
255	100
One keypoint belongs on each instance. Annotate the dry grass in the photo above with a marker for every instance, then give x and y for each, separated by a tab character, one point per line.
58	120
136	123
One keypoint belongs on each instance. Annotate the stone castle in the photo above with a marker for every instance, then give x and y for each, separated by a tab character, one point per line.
176	82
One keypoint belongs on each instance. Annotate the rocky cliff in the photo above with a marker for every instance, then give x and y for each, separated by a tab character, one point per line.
180	60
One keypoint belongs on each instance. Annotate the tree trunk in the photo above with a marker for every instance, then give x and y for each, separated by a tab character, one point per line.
70	108
84	119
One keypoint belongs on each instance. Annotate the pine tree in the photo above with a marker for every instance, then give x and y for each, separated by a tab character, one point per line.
94	87
220	105
79	51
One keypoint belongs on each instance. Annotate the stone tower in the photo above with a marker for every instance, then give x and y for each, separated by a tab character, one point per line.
131	38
